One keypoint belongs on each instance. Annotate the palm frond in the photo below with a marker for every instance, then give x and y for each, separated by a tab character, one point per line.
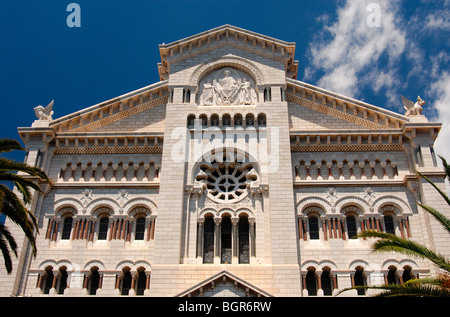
446	166
442	193
7	145
438	216
12	243
413	290
6	254
403	290
22	184
25	191
391	242
12	166
10	204
15	210
427	280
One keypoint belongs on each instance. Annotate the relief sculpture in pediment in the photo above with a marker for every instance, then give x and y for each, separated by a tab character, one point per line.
227	87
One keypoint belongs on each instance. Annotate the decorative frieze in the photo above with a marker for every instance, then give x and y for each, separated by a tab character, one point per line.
345	170
109	172
351	117
347	148
113	117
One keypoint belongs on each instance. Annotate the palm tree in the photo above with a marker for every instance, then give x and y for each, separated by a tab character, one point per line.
11	205
436	286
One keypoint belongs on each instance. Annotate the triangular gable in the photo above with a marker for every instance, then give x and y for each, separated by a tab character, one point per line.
227	35
218	281
343	108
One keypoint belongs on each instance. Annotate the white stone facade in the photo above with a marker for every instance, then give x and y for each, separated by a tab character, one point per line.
227	177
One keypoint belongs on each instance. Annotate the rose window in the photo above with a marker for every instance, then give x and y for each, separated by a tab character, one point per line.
227	181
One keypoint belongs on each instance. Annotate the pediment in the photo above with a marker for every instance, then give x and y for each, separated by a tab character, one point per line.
224	284
227	36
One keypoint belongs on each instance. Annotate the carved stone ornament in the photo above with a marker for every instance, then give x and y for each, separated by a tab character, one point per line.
86	197
122	196
413	109
227	182
226	87
44	113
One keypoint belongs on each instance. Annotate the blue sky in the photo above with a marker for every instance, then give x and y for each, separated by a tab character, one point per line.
116	49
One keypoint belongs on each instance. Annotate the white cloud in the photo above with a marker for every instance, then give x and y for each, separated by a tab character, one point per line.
441	89
355	47
438	20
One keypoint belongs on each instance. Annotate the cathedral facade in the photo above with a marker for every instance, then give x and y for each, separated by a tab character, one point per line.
228	177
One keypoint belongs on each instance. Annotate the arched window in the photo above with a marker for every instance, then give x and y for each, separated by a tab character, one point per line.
326	281
392	275
352	230
204	120
238	119
47	282
67	228
126	281
389	224
244	243
313	222
141	281
94	281
225	240
407	274
249	120
140	229
261	120
208	240
191	121
62	285
103	228
311	282
226	120
360	280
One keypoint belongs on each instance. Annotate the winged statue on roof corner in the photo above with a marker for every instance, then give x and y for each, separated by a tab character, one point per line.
44	113
413	108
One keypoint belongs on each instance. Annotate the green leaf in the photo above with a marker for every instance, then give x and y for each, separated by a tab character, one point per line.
404	290
391	242
439	217
437	188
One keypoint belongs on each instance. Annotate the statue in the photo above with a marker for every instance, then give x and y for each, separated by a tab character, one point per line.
207	95
413	109
247	94
227	87
44	113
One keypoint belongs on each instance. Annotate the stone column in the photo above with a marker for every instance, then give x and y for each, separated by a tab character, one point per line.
200	228
217	239
252	238
235	240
